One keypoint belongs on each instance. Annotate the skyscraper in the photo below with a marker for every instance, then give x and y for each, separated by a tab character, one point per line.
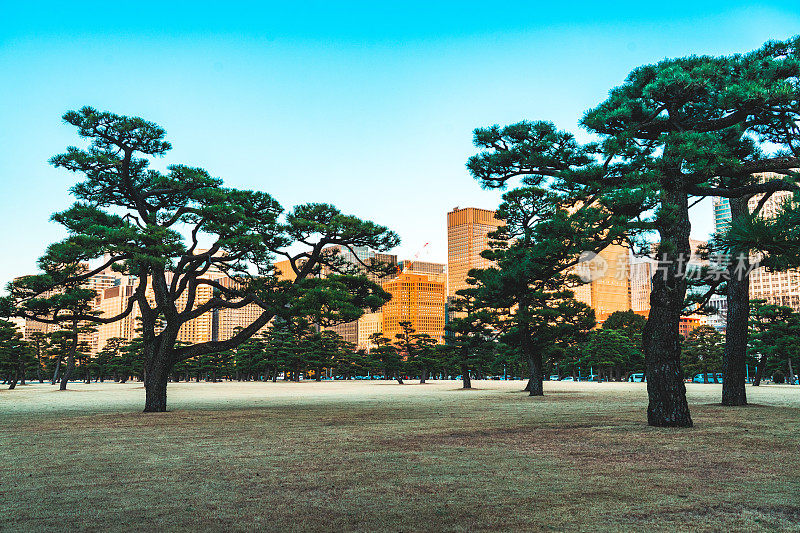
611	291
778	288
415	299
467	236
434	271
358	257
368	324
642	269
113	302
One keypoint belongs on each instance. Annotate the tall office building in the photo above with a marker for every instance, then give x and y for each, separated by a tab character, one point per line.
204	328
368	324
226	322
642	269
284	270
99	282
722	214
415	299
611	291
358	258
467	236
778	288
113	302
434	271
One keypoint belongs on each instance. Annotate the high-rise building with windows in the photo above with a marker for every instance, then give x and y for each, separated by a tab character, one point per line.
610	291
415	299
467	236
368	324
284	270
722	214
642	268
99	282
361	257
113	302
434	271
778	288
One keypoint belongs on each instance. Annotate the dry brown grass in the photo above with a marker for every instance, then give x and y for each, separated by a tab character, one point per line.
380	456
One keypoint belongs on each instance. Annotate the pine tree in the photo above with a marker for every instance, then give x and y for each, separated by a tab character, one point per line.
135	218
16	358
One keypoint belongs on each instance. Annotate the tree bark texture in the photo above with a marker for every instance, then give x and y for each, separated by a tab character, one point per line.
734	361
537	379
666	391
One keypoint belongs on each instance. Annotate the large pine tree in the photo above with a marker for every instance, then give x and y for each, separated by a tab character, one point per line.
150	225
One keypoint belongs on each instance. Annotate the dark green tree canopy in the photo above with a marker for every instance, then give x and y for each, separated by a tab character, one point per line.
180	229
689	127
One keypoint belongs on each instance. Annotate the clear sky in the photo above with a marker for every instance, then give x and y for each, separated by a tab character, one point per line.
369	106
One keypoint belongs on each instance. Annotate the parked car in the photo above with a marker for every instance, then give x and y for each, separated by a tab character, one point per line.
698	378
568	378
593	377
555	377
637	377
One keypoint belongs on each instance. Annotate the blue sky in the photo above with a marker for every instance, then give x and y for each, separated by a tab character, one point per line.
366	106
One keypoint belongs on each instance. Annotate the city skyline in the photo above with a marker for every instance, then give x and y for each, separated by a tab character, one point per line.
376	111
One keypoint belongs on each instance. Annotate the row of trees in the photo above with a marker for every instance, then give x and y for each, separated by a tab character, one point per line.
612	352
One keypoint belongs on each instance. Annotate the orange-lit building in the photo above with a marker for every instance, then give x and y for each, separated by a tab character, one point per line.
113	302
434	271
226	322
467	236
612	291
368	324
359	258
284	270
689	323
416	299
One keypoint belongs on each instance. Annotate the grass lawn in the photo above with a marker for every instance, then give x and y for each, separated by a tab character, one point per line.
380	456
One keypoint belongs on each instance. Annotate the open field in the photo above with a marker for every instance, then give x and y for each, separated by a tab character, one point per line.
379	456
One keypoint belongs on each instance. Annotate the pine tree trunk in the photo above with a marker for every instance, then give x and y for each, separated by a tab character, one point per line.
465	379
734	372
12	381
73	350
530	381
155	387
155	381
55	372
535	386
68	371
536	381
665	388
423	375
